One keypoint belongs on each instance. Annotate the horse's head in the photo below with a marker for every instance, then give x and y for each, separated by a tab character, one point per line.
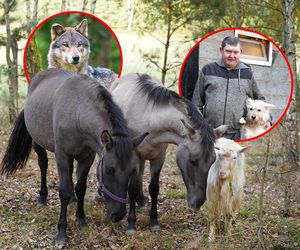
194	157
115	171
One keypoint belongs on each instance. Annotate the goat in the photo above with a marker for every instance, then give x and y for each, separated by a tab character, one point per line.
225	183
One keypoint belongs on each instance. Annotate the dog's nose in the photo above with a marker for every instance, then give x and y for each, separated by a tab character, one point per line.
75	59
253	117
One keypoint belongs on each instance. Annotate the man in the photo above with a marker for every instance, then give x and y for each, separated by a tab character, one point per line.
223	86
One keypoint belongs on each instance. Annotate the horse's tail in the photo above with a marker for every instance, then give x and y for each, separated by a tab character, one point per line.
18	149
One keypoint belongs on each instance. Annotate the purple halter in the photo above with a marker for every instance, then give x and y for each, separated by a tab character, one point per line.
102	188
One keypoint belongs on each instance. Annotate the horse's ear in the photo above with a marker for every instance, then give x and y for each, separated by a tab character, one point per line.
56	30
82	28
219	131
138	139
106	140
193	134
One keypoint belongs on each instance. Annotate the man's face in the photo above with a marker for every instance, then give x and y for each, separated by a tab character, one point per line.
230	56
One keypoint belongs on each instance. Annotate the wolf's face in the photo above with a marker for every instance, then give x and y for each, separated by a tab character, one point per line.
257	111
70	47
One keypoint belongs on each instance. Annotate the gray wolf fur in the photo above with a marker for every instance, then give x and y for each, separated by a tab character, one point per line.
257	119
70	49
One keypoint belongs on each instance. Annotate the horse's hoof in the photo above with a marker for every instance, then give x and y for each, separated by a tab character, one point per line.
41	204
81	223
60	242
155	228
130	231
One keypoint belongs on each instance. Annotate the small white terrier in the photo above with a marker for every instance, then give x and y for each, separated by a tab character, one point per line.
257	120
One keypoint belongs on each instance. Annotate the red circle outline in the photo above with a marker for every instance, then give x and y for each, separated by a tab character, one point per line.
282	53
64	13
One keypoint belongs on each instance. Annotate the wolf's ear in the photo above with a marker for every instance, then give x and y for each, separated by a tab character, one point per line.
56	30
82	28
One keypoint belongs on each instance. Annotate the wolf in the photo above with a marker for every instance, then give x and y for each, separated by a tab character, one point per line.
257	118
70	50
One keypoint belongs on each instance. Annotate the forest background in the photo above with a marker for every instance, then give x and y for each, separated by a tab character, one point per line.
155	37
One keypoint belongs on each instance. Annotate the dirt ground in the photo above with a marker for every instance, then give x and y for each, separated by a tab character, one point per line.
24	226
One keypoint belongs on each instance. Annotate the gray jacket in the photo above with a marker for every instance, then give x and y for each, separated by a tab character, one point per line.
220	94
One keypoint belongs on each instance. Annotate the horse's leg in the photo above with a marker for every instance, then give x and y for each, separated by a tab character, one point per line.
133	191
140	197
80	188
155	168
43	164
64	163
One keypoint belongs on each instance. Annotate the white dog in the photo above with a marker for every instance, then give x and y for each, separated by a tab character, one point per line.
257	120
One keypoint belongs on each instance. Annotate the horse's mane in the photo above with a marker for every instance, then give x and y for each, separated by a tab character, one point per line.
121	139
161	96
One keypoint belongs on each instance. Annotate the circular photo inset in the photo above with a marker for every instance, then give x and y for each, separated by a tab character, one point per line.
239	78
77	42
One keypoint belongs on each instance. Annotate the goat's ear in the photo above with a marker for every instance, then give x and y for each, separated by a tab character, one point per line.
219	131
245	149
56	30
82	28
106	140
139	139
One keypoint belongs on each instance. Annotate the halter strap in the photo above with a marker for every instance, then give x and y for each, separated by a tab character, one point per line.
102	187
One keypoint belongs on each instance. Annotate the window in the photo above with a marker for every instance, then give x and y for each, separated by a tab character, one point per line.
255	48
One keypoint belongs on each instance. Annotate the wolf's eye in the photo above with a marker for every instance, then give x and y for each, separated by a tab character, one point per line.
65	44
79	44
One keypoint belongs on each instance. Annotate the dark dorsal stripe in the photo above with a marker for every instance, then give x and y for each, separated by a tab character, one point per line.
161	96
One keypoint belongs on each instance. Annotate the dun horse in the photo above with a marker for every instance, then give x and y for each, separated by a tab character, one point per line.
169	119
74	117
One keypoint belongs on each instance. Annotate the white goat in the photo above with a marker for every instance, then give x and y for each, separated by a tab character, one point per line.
225	183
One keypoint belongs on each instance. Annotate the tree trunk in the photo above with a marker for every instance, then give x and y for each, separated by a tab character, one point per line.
167	44
291	121
28	17
130	14
84	5
63	5
33	59
11	104
93	7
35	12
239	14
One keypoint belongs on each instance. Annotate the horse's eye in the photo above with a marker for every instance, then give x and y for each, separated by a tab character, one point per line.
110	171
65	44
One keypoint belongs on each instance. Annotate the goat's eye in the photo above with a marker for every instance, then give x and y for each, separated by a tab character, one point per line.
65	44
110	171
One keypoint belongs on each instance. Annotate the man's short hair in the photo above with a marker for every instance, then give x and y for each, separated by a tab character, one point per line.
231	40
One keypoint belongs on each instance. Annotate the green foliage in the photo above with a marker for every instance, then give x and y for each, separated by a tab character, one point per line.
175	194
104	48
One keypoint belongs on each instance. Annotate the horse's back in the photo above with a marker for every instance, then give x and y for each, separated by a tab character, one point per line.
38	109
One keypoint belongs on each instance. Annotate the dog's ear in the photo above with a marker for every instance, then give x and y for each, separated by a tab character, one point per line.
269	105
56	31
82	28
